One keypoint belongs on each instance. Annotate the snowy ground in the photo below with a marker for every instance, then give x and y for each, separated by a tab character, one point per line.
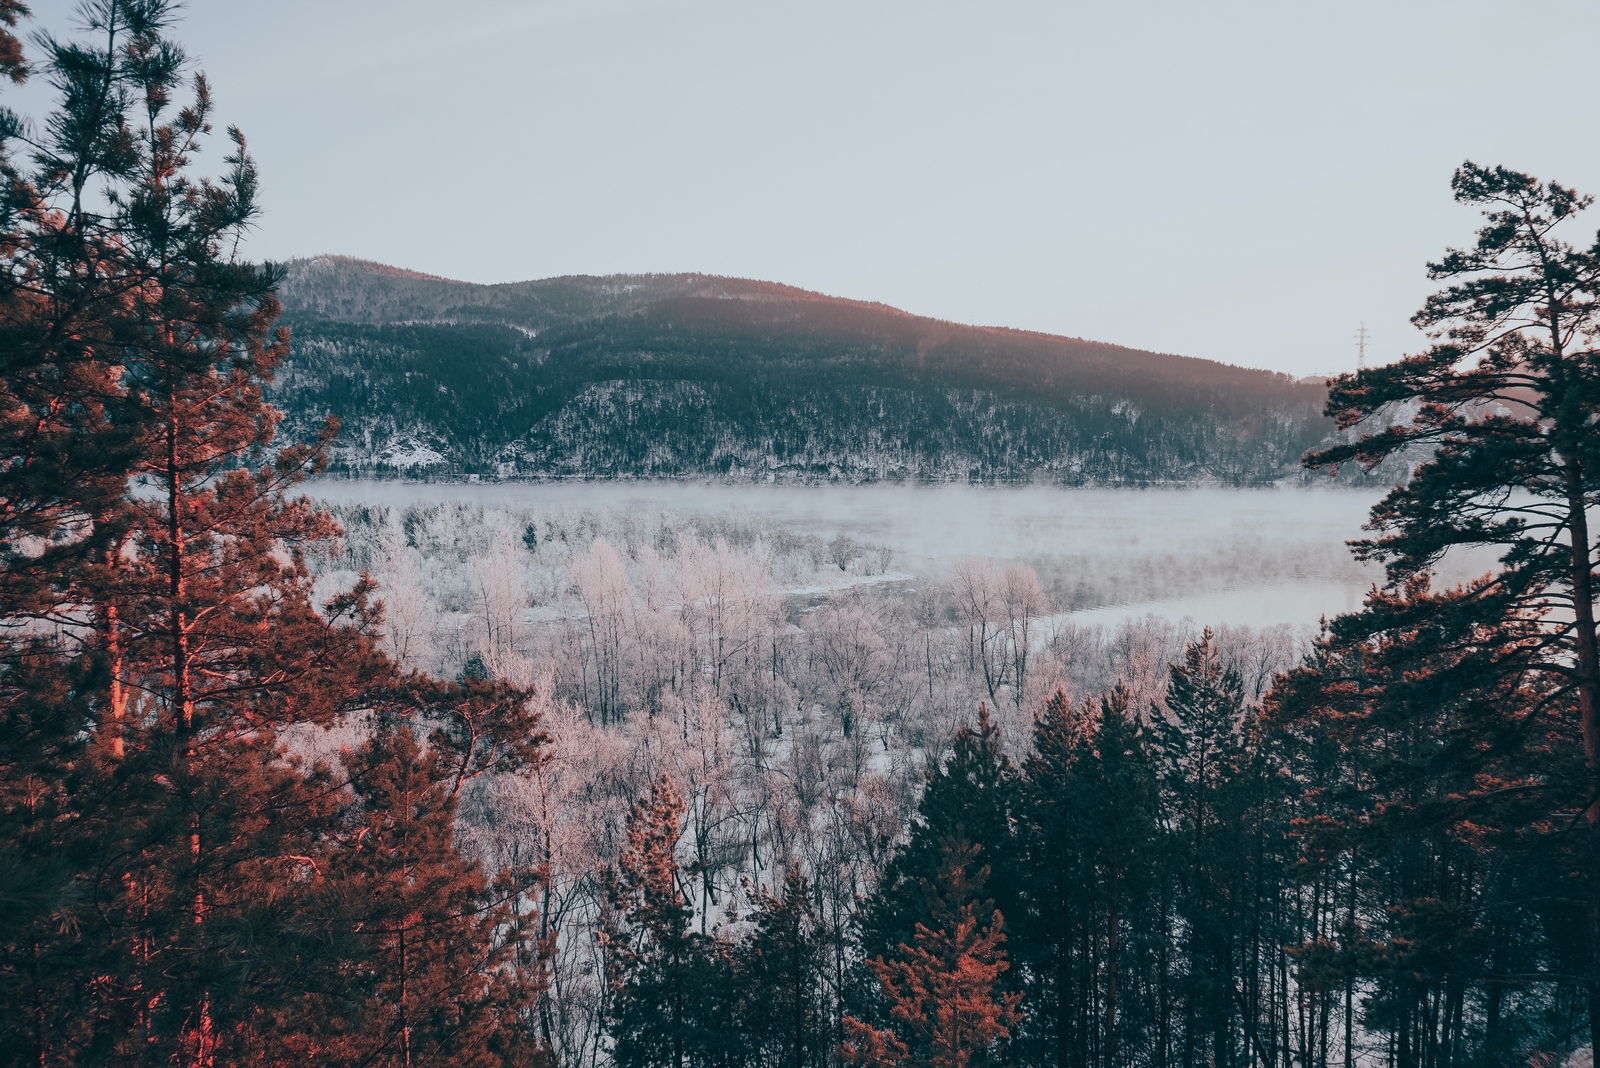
1256	557
793	656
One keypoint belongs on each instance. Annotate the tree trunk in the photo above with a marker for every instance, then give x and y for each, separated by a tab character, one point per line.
1113	921
1588	669
115	666
1063	1006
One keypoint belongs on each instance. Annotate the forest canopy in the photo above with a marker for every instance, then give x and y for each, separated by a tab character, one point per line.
280	785
687	376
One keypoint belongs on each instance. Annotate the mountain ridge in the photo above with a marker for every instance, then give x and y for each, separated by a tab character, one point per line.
719	374
302	268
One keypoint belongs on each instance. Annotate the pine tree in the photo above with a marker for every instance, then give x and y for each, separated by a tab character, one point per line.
1206	771
1437	791
13	64
210	604
1051	927
68	432
1503	407
190	867
943	991
968	796
47	769
780	973
1090	852
438	969
68	425
670	1003
75	312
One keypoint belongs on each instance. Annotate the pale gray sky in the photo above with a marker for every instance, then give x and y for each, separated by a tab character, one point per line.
1245	181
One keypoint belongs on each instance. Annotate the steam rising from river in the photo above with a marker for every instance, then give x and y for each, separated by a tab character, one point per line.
1252	557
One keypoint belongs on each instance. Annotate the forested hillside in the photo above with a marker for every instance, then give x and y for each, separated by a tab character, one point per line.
467	787
680	375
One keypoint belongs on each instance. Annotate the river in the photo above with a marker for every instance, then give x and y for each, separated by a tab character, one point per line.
1260	556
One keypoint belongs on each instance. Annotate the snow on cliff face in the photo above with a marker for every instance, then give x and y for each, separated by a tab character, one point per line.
410	453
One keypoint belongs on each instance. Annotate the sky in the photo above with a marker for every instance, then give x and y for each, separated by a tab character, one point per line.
1242	181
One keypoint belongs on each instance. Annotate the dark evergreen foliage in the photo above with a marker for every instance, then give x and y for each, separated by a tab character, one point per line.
970	797
1440	795
672	998
1394	859
177	886
1206	766
719	376
1091	902
780	972
943	992
1508	400
441	973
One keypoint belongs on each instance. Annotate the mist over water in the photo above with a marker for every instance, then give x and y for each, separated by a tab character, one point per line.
1256	557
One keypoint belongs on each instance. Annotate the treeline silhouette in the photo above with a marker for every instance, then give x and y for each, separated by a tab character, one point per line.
1393	858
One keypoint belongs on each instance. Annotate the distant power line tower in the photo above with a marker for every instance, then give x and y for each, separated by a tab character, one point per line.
1361	348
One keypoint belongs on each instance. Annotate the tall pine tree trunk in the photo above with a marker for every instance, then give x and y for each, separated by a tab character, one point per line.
1063	1005
1589	712
115	667
1113	921
200	1039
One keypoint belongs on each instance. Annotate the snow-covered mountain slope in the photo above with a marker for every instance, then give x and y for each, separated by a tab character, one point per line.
692	375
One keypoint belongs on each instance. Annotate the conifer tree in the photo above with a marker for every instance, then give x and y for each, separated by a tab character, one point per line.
669	986
78	310
1090	851
1438	790
68	433
47	769
209	603
190	866
1206	772
1050	928
439	969
67	423
968	796
947	1007
13	64
1503	408
780	974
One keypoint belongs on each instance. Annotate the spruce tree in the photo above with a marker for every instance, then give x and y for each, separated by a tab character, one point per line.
1090	856
947	1006
780	976
969	796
